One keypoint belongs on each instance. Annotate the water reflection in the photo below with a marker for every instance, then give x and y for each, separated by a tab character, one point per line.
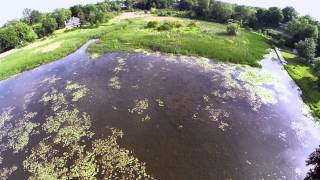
139	115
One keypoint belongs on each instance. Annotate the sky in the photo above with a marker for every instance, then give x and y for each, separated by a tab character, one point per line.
12	9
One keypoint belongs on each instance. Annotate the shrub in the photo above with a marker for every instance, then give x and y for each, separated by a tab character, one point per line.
232	29
193	25
165	27
306	49
153	24
168	25
153	10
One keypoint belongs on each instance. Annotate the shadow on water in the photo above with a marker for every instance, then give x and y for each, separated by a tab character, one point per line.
185	117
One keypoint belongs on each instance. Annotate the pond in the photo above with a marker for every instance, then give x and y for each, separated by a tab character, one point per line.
146	115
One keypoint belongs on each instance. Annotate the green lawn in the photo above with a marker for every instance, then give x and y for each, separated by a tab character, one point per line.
209	40
302	74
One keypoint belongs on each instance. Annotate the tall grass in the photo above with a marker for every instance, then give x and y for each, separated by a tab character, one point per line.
209	41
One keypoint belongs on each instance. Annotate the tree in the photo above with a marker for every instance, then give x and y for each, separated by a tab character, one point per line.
289	13
243	14
269	17
314	160
49	25
62	15
222	11
274	16
31	16
75	10
306	49
128	3
301	29
15	34
27	15
186	4
24	32
93	15
8	39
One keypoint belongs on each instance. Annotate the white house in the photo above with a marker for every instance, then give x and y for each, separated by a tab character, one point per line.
72	23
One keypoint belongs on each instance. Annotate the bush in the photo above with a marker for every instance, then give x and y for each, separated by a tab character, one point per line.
175	24
153	24
165	27
306	49
153	10
233	28
168	25
193	25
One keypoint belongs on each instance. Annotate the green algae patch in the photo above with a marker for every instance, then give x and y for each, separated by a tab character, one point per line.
257	87
78	91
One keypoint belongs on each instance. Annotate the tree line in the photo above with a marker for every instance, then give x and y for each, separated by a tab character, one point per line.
35	24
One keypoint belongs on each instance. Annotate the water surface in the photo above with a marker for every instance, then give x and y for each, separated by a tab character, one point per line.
154	116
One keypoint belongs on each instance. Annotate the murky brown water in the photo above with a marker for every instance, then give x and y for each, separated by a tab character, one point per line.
138	115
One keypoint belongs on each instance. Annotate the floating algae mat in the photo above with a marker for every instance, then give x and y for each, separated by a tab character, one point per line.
153	116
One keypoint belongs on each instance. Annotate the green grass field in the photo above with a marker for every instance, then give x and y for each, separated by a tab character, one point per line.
46	50
122	34
209	40
303	75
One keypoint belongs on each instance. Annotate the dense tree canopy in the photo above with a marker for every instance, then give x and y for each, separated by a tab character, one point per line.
289	13
306	49
301	29
221	11
62	15
15	34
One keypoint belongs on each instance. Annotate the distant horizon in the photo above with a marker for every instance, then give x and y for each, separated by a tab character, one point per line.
13	9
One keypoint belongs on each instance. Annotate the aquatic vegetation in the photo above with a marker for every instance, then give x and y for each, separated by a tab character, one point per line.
140	106
215	114
205	98
120	67
18	137
114	83
223	126
146	118
67	147
254	85
78	91
6	115
160	102
6	172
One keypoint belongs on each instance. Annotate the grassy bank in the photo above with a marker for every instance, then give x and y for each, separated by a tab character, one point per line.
207	40
127	34
303	75
43	51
